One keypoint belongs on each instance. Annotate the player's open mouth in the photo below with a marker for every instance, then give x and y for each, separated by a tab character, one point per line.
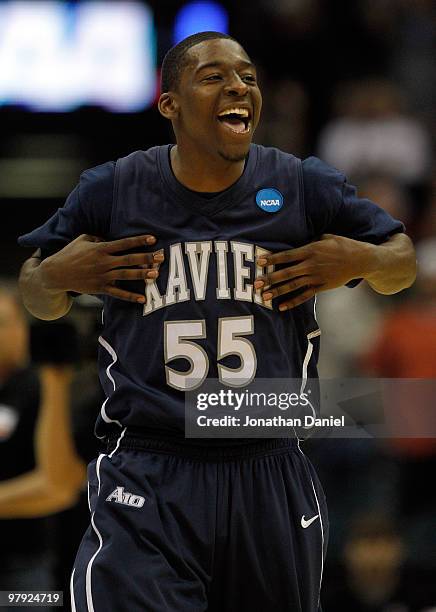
236	119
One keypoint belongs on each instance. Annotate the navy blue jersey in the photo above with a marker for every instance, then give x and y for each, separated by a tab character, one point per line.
203	317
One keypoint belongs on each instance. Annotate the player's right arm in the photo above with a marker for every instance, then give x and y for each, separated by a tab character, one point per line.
75	255
40	301
86	265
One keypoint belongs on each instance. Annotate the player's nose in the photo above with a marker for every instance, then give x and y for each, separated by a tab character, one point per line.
236	86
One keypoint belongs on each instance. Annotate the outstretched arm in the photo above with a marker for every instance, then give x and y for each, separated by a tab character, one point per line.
334	261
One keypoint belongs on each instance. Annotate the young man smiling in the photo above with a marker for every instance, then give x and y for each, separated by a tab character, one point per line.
180	524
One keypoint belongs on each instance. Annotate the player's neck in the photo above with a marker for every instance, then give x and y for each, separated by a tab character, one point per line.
202	172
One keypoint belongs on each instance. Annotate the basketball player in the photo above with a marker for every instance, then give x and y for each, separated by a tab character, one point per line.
177	525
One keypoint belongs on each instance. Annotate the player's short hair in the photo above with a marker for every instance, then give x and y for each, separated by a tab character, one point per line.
175	59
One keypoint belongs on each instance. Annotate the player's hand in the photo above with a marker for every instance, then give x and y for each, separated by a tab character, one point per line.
90	265
318	266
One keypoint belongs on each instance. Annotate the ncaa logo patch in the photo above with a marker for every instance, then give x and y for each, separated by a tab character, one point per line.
270	200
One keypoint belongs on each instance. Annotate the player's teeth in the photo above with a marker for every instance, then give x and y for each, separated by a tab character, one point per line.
235	111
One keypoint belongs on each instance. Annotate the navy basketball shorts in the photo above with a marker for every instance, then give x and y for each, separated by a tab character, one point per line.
182	528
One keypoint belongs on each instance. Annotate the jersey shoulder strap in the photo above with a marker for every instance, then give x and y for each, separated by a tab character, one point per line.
138	170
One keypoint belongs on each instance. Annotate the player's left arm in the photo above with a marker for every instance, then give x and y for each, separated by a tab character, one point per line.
334	261
354	239
391	266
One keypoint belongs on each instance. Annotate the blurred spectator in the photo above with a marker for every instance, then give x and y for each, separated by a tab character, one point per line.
373	555
40	473
406	343
376	579
413	354
295	18
408	205
426	225
358	311
348	319
406	348
373	134
389	194
284	118
412	62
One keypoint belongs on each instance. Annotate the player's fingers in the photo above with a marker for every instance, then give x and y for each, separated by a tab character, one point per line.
158	258
279	276
136	259
34	260
125	244
274	292
126	274
127	296
308	294
89	238
288	256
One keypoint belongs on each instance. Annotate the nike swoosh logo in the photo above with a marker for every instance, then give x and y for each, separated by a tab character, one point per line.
305	524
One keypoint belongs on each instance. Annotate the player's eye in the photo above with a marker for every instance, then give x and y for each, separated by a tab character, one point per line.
249	78
212	77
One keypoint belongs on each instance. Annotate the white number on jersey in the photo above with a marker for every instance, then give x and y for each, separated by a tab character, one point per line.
177	344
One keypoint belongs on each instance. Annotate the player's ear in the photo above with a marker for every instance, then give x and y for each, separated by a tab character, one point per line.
168	106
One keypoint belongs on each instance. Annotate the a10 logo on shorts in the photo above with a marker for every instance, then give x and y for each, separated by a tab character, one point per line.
119	496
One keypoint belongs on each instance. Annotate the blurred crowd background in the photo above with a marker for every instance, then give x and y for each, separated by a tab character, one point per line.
351	82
